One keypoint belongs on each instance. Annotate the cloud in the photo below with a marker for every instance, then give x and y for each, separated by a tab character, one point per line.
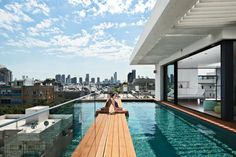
37	7
104	25
28	43
11	16
113	6
79	2
110	25
44	28
141	6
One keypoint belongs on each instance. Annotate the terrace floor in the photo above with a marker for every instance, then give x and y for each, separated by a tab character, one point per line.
109	136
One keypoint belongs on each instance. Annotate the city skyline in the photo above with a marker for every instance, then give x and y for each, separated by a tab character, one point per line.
43	38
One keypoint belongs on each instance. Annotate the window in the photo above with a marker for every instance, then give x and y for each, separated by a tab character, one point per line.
169	83
202	73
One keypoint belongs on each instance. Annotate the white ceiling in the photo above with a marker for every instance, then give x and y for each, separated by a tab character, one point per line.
206	59
176	24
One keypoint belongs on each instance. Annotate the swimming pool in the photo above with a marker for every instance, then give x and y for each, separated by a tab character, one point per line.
158	131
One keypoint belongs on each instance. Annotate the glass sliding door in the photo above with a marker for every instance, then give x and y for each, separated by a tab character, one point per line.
169	82
199	81
234	90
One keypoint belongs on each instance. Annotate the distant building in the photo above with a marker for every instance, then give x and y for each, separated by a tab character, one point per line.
131	76
5	75
92	80
68	79
87	79
81	80
134	74
58	78
63	79
98	80
115	77
112	80
38	94
40	135
11	95
74	80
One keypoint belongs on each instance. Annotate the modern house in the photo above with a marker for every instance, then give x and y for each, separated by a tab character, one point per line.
192	44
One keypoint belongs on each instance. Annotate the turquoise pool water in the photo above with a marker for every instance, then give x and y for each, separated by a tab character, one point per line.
157	131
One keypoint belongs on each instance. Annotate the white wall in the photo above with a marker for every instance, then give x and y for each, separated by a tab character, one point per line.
190	76
159	82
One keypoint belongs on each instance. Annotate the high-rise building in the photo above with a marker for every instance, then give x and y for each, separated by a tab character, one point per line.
74	80
58	78
98	80
87	79
81	80
115	77
5	75
134	74
92	80
112	80
68	80
63	78
130	77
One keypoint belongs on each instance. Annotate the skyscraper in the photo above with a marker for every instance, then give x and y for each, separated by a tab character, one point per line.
134	74
81	80
58	78
87	79
63	78
130	77
115	77
5	75
74	80
92	80
112	80
68	80
98	80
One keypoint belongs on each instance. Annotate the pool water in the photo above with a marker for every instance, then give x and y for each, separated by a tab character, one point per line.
157	131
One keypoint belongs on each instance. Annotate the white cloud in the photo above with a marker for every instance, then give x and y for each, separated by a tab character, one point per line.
79	2
68	41
28	43
113	6
37	7
141	6
104	25
44	28
11	17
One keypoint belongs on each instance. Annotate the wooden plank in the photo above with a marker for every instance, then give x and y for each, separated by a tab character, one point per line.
108	147
110	138
122	146
115	144
128	139
100	139
95	134
86	137
102	144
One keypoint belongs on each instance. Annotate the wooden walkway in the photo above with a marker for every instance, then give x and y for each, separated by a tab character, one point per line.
109	136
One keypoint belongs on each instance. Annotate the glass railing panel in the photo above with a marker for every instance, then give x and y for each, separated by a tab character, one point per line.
42	131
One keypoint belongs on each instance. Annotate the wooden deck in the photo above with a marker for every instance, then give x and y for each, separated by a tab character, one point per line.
109	136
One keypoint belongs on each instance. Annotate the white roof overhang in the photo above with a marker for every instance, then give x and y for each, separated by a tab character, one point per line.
176	24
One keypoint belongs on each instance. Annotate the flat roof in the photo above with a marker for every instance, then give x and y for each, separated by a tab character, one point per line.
174	25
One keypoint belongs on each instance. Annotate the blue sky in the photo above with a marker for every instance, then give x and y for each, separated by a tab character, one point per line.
45	37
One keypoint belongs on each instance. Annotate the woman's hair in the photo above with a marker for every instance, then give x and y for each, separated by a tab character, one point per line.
112	94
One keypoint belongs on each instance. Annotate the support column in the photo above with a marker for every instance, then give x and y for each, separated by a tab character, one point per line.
227	80
158	82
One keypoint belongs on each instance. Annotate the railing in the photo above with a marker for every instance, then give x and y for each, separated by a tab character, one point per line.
41	133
